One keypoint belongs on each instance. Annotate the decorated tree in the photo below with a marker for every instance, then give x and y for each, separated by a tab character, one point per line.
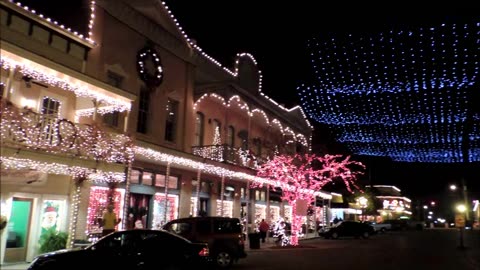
300	176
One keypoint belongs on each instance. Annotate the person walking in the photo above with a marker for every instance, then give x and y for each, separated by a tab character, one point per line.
263	228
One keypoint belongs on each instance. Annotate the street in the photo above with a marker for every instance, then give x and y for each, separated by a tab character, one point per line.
411	250
428	249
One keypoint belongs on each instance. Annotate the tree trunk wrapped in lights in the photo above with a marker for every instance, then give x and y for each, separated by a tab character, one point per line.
300	176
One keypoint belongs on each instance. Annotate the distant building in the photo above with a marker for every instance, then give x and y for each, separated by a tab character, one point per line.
392	204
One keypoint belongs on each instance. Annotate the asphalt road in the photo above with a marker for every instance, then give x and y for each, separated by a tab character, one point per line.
423	250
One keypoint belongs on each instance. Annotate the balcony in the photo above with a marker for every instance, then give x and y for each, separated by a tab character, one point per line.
26	129
228	154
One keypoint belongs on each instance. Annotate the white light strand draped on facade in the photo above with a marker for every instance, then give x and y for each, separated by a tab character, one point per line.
25	128
157	156
55	23
52	77
243	106
97	176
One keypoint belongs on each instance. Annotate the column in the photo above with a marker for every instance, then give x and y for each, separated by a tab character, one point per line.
213	199
184	200
237	202
167	177
199	184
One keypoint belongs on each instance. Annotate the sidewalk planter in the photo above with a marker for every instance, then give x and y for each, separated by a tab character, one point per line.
254	240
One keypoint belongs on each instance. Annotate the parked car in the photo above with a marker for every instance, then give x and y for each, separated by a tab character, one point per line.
380	227
348	228
223	235
133	249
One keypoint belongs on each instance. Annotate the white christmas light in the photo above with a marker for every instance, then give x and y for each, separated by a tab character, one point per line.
157	156
97	176
52	77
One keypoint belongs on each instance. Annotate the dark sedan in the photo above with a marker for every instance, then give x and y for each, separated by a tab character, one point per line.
348	228
134	249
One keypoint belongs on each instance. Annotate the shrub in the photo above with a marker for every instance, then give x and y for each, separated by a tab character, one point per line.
52	240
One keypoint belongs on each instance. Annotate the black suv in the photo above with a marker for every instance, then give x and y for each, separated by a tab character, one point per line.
223	236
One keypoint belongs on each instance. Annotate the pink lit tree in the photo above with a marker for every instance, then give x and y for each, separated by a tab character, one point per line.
300	176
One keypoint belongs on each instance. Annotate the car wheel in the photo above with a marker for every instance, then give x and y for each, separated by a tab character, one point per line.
383	230
223	259
365	235
334	235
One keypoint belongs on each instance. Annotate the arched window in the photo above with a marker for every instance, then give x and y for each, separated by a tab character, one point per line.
199	123
231	136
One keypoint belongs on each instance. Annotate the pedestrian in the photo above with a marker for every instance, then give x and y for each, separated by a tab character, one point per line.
264	227
109	221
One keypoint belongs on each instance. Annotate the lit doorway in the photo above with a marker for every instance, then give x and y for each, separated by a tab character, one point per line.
18	230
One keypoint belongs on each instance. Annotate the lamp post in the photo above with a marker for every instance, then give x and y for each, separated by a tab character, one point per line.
460	222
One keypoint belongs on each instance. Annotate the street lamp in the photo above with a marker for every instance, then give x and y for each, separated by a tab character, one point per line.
453	187
461	208
425	207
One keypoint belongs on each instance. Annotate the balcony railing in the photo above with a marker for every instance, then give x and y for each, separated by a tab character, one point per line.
23	128
228	154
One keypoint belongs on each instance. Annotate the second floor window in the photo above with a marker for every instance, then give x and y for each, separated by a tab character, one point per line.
231	136
143	111
171	123
50	106
199	122
114	79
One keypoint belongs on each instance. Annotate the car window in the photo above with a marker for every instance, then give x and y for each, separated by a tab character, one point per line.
162	241
203	226
119	241
226	226
180	228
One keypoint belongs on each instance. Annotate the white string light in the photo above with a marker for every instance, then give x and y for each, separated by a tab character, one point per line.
157	156
52	77
55	24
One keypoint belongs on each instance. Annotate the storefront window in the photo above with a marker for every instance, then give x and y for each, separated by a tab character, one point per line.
172	181
135	176
274	213
260	212
227	208
159	209
147	178
52	215
97	205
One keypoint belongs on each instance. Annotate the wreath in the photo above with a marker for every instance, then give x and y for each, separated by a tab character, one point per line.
151	79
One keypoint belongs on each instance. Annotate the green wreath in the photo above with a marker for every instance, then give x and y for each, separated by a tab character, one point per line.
145	54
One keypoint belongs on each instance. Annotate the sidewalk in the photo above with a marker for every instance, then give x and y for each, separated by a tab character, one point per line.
14	266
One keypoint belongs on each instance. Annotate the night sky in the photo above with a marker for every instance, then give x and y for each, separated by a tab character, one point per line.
276	35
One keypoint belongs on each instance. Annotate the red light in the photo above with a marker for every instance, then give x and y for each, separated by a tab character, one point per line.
204	252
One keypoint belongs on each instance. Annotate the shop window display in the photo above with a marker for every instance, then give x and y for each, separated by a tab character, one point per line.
227	208
97	205
159	209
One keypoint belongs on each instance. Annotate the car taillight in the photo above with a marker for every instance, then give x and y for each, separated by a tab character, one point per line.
204	252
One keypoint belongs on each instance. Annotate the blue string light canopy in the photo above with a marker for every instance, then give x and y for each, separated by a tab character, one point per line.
411	95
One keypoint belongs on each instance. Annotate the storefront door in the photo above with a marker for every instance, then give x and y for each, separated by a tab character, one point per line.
18	230
138	211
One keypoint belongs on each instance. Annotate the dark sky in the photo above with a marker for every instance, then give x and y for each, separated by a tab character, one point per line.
276	34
